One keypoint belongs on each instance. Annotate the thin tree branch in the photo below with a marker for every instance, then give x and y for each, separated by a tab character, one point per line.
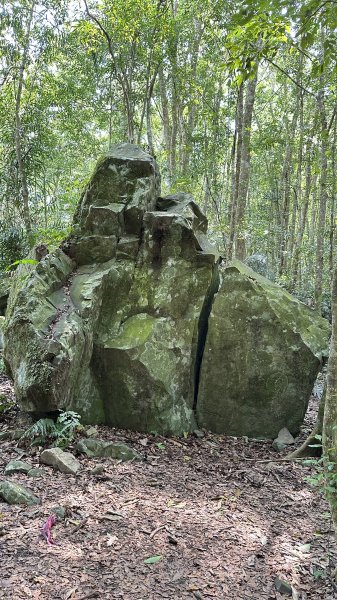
299	85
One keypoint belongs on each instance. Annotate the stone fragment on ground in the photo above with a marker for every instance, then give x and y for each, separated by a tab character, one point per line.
36	472
60	460
100	448
199	434
284	439
98	470
91	431
17	466
283	587
59	511
13	493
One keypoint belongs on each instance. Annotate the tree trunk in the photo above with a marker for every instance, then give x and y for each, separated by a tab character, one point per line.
333	202
322	200
18	126
240	244
189	126
311	446
286	187
330	412
237	150
166	120
303	218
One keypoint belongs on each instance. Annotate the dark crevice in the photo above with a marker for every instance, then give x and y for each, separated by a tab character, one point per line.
203	329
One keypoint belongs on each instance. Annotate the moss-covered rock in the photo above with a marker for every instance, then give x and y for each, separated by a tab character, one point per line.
117	323
262	355
108	326
102	449
13	493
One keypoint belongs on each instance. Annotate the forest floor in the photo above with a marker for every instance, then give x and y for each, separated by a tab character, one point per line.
226	516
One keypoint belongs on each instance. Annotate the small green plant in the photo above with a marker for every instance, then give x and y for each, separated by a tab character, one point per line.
324	477
22	261
60	432
4	403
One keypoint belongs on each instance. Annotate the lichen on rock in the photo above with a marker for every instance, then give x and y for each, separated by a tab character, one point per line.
108	324
125	325
263	351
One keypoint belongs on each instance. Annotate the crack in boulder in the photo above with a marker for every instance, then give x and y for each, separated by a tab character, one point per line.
148	336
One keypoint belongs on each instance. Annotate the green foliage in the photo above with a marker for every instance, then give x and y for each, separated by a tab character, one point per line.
47	431
13	245
22	261
325	475
5	404
153	559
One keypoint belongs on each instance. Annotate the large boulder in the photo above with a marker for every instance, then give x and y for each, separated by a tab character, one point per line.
116	323
262	354
108	325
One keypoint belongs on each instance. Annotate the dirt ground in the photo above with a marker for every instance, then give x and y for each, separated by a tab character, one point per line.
225	516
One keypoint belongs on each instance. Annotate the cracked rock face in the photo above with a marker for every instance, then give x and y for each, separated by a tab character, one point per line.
108	326
118	325
262	354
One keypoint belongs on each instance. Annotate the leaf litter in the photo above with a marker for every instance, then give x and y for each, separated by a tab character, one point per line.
227	524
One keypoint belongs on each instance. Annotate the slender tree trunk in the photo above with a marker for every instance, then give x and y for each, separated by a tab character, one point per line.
189	126
297	195
110	107
319	266
240	244
149	127
286	189
237	150
166	120
330	412
18	126
333	202
303	218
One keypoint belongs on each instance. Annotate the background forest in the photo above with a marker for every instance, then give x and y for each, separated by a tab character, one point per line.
236	100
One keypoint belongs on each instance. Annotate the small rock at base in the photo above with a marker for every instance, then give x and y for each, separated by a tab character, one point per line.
100	448
36	472
278	446
285	436
17	466
91	431
13	493
98	470
60	460
283	440
198	434
283	587
59	511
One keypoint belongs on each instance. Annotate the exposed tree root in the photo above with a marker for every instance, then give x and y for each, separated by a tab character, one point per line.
310	445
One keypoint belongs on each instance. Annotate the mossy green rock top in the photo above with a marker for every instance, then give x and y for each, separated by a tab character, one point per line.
108	324
262	354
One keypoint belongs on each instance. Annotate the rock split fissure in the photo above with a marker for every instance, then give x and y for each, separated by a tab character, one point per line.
202	331
127	324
